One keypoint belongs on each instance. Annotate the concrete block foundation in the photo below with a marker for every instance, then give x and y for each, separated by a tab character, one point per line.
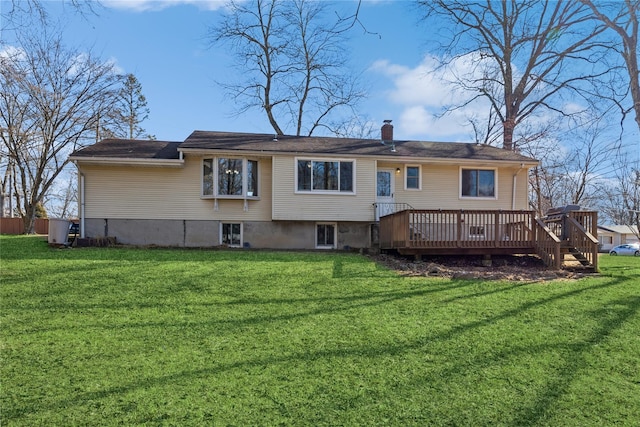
206	233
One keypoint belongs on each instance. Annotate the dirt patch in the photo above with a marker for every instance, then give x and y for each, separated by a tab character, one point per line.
517	268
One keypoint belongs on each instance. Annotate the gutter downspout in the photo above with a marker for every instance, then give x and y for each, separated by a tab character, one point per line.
513	189
81	200
82	217
82	230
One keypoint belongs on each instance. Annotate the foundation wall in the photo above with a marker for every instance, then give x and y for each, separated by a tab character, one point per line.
255	234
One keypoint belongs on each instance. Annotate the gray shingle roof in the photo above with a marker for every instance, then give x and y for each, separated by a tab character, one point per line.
130	149
301	145
345	146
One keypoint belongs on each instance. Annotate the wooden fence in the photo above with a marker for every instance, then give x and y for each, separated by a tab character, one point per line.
16	226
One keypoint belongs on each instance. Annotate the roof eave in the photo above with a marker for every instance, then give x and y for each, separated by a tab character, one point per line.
381	157
116	161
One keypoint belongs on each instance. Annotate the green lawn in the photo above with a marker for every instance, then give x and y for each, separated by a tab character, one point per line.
120	336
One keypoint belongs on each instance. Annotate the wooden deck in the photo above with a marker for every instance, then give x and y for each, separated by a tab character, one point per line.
460	232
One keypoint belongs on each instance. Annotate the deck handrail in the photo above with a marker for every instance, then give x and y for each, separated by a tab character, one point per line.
583	241
547	245
388	208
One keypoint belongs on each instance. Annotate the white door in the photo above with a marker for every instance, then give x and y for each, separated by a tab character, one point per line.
384	192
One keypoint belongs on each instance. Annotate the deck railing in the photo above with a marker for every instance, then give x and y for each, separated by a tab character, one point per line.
382	209
419	228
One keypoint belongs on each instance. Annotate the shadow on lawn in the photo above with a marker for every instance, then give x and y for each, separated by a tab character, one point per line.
36	248
329	305
610	320
613	317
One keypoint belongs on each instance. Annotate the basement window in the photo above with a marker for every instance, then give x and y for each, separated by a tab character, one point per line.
326	235
231	234
476	231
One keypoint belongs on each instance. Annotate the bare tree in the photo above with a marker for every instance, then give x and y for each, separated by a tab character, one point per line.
128	112
589	160
49	96
292	55
63	198
526	54
545	179
621	203
22	14
622	18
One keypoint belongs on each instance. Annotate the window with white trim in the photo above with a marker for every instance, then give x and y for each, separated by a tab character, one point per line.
231	234
606	240
476	231
325	175
228	177
478	183
413	180
326	235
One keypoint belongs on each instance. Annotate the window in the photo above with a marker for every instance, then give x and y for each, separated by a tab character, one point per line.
476	231
207	177
478	183
412	174
229	177
252	178
606	240
325	176
326	236
231	234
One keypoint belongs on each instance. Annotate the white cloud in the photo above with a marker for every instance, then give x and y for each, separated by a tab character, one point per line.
415	86
156	5
423	92
117	69
13	53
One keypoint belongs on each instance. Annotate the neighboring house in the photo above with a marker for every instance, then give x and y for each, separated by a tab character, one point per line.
286	192
614	235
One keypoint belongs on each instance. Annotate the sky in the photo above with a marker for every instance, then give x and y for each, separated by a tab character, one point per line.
164	44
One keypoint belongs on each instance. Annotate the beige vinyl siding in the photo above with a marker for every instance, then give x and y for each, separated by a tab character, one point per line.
289	205
135	192
441	189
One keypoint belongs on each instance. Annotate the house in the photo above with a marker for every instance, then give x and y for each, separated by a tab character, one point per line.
614	235
285	192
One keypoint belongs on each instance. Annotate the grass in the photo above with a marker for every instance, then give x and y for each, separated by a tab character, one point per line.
121	336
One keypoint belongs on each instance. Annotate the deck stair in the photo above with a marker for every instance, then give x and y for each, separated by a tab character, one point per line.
579	256
577	230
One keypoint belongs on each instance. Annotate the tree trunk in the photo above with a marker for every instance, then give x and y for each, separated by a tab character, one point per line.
29	219
507	137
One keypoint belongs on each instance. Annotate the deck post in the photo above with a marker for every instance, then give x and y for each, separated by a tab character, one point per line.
459	229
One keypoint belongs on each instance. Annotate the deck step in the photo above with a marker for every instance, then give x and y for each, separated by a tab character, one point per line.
579	256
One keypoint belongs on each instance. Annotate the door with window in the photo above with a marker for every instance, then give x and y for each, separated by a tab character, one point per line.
384	192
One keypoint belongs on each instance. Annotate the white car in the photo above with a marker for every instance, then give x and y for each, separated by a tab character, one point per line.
628	249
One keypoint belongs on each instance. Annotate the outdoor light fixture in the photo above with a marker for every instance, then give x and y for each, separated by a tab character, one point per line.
397	170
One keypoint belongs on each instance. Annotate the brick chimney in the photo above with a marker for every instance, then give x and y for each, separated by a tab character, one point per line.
387	131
